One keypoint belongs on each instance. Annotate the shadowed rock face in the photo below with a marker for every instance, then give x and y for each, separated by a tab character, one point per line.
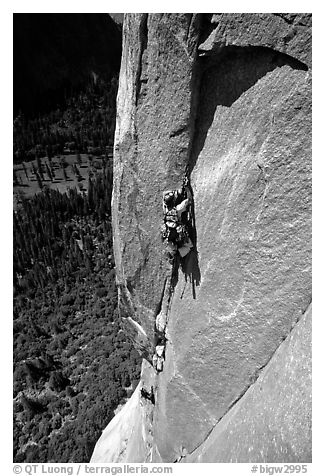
229	96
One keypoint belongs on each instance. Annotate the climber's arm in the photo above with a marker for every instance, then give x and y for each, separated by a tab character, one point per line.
183	206
188	193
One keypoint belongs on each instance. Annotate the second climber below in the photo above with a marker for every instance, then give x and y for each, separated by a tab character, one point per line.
177	221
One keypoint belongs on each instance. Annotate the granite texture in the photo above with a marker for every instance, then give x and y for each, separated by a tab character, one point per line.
229	97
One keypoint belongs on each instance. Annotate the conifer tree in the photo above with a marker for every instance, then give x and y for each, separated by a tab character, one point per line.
15	178
31	405
25	170
39	180
39	167
49	173
78	174
65	174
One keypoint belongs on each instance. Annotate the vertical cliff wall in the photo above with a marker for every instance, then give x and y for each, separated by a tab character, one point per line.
229	97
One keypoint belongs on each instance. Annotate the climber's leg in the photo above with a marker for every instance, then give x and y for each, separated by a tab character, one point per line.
185	248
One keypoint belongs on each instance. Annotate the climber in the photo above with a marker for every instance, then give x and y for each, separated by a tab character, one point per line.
159	356
160	350
148	396
177	219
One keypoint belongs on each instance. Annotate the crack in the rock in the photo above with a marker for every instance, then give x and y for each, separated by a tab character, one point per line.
143	45
189	25
178	131
289	20
159	306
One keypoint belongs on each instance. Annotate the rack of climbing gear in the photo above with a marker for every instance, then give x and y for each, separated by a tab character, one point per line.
177	208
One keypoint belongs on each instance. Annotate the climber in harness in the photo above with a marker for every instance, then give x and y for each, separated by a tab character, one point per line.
159	355
148	395
177	219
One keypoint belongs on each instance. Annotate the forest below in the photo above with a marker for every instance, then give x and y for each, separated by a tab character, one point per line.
73	365
54	54
83	123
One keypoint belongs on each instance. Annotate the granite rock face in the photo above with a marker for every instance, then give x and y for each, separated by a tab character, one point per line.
272	421
288	33
151	150
128	437
228	96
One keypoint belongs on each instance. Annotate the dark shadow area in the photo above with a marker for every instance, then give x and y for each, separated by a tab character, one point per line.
25	185
206	26
189	264
191	269
55	54
224	76
159	304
